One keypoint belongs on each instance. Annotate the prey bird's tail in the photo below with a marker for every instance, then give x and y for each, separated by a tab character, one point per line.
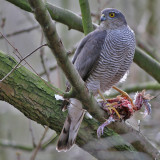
71	126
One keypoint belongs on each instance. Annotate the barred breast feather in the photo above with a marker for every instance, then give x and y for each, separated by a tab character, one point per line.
116	56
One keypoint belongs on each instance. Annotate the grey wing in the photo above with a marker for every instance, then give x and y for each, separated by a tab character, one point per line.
81	45
88	53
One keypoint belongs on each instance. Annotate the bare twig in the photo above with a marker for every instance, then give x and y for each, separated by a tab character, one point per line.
139	87
48	78
21	31
32	135
3	22
69	53
43	61
50	69
51	140
20	56
15	145
21	62
39	145
27	62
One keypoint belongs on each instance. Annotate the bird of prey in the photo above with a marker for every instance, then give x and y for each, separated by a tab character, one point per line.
101	59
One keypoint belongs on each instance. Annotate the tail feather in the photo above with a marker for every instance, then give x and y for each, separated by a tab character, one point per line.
71	126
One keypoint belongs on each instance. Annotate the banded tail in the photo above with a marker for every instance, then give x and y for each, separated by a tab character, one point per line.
71	126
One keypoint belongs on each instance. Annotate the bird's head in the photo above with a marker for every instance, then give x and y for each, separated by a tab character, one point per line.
112	19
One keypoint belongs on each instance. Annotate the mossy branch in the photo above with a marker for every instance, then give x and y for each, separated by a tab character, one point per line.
86	16
146	62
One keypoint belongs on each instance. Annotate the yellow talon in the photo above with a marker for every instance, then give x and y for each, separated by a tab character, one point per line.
101	95
124	94
112	108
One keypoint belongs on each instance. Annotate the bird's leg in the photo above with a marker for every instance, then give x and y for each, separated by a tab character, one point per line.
110	106
124	94
101	95
106	123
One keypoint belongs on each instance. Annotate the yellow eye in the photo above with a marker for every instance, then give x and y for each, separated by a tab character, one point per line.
112	14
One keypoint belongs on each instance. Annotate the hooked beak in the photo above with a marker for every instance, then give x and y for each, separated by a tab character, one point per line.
103	18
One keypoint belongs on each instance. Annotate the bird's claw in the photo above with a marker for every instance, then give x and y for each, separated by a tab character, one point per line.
112	108
123	108
124	94
106	123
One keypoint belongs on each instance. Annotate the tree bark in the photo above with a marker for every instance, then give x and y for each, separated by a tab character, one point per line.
86	16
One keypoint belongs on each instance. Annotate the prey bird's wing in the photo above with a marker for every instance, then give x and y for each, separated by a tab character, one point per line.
88	53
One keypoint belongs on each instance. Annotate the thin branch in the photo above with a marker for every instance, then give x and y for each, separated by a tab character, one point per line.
50	69
14	145
48	78
39	144
42	54
69	53
139	87
51	140
20	31
19	54
86	16
32	135
15	67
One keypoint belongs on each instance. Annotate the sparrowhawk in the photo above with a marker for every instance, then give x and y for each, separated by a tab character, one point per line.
102	59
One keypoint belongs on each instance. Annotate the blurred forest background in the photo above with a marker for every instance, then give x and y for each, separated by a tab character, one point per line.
143	16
